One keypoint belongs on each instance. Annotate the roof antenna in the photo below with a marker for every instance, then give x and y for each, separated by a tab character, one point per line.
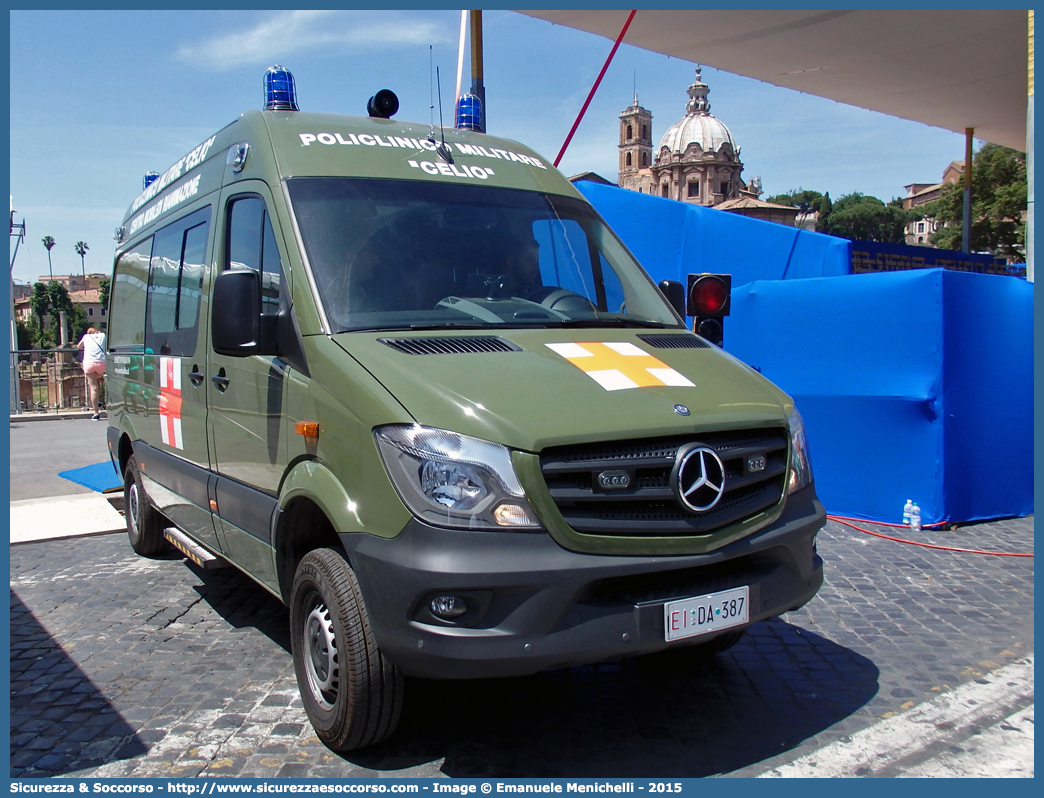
442	150
431	97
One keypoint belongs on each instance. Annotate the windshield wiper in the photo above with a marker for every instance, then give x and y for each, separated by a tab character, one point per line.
453	325
611	322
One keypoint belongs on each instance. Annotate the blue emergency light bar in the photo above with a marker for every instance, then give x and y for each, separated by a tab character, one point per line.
280	90
469	112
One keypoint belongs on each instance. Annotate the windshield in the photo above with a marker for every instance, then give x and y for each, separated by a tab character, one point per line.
395	254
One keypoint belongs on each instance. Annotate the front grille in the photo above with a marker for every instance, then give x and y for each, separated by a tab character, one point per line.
648	506
473	344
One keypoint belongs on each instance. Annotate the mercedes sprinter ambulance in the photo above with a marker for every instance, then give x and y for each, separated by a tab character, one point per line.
409	381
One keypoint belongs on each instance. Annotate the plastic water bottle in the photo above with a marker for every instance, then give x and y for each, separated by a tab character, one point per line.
915	519
907	510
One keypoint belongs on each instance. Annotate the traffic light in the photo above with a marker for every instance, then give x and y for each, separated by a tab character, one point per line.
708	301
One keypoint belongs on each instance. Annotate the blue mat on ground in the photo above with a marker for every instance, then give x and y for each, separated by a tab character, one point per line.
101	477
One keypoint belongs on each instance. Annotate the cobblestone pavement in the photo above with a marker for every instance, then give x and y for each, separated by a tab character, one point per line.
122	666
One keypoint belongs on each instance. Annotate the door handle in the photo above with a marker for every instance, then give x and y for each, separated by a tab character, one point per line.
220	380
196	376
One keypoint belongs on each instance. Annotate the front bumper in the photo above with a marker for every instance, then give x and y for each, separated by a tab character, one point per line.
535	606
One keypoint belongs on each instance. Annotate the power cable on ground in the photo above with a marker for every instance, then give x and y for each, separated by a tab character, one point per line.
846	522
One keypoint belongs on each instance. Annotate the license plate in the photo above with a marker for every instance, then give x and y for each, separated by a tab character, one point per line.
709	613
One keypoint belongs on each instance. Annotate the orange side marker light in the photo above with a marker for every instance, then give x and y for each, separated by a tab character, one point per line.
309	429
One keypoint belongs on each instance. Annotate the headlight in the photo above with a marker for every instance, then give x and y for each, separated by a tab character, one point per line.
800	466
454	480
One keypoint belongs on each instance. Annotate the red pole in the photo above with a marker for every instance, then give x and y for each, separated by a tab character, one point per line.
594	88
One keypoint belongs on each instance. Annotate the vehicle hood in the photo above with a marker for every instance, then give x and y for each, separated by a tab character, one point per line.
537	393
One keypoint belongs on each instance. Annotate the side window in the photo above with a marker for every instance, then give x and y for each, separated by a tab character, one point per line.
175	285
129	286
252	245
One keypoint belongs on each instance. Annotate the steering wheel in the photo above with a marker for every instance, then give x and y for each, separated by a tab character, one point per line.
562	300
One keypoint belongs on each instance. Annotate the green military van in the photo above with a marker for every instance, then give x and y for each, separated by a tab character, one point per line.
409	381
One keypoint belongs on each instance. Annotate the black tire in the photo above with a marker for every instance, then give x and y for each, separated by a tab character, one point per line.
144	523
351	693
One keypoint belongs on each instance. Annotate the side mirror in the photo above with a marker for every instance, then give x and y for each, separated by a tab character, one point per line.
674	292
236	313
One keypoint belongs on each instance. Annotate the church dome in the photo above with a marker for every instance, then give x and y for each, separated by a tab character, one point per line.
697	126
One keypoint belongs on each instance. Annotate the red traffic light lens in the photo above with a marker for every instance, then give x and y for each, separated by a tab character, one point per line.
707	296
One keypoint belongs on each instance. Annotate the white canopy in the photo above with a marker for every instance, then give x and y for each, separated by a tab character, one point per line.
950	69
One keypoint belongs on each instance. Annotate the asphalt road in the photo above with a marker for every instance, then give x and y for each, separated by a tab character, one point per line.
40	449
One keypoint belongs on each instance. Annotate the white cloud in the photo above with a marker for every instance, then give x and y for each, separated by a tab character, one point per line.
288	32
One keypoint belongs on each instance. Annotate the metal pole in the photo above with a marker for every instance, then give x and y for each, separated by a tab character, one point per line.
477	87
20	235
966	232
1029	161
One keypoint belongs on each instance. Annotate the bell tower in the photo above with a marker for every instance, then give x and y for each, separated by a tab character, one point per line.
635	143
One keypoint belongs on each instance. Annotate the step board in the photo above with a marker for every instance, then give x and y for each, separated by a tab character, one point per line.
187	546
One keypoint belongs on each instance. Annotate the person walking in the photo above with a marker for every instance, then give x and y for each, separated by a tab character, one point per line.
93	346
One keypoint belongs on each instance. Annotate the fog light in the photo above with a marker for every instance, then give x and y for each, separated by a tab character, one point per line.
511	515
448	607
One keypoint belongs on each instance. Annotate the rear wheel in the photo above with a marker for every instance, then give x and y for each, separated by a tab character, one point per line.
351	693
144	523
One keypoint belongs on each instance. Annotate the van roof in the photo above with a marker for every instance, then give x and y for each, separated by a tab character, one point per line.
288	144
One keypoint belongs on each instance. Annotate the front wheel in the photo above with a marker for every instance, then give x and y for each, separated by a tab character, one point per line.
144	523
351	693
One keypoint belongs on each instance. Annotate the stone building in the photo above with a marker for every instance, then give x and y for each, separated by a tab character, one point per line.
917	194
697	160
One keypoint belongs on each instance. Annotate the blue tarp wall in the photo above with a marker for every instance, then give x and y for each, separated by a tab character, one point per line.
672	239
913	385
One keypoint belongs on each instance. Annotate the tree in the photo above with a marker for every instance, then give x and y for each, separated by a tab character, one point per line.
804	200
103	292
51	299
864	218
40	302
31	336
807	202
60	302
26	332
49	243
77	323
81	250
999	202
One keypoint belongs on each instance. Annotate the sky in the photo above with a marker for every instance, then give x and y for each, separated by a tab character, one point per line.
99	98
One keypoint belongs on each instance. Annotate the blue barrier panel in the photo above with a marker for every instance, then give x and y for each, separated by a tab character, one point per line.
988	382
911	385
672	239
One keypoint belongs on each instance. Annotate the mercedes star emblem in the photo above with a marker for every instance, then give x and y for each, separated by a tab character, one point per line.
698	477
